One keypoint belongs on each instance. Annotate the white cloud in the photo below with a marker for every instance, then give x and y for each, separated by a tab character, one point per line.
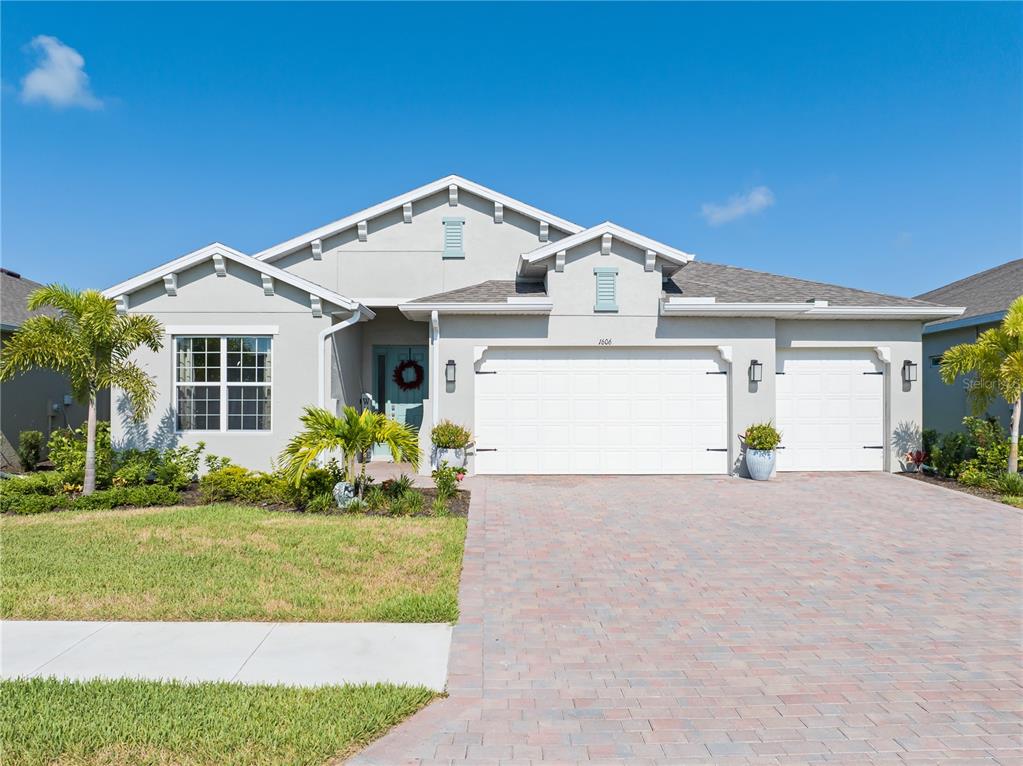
757	199
59	78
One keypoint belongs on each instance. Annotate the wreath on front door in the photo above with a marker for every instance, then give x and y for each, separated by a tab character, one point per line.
405	383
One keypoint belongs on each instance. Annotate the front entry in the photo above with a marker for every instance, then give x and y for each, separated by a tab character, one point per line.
400	383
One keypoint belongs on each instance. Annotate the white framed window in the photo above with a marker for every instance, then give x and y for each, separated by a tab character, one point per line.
223	382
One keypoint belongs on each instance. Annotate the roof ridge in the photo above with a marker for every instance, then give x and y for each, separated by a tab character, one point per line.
972	277
808	281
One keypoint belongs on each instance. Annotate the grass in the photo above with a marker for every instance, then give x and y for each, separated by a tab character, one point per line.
229	562
114	723
1015	502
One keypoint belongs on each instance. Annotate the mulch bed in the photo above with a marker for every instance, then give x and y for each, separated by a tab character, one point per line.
941	481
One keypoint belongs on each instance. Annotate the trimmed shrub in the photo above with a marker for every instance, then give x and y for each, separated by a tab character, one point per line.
142	497
28	504
1010	484
43	483
237	483
30	449
67	453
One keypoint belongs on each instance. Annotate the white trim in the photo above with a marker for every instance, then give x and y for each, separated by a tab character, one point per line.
423	310
726	353
170	284
441	184
123	303
388	302
223	384
884	354
559	261
545	231
434	356
316	305
221	329
230	254
606	232
219	264
317	248
268	284
321	394
704	307
362	229
955	324
406	212
498	212
453	195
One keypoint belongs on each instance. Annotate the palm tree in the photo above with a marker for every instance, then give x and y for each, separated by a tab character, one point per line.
996	359
353	434
88	342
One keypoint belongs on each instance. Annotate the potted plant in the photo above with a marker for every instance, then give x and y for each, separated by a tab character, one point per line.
450	441
761	440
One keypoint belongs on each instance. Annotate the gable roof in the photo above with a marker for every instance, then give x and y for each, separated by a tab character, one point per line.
206	253
528	261
985	295
14	292
464	184
491	291
738	285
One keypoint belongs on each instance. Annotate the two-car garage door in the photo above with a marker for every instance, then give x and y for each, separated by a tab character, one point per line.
601	411
665	411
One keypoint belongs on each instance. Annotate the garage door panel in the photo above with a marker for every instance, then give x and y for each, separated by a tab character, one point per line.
828	410
601	411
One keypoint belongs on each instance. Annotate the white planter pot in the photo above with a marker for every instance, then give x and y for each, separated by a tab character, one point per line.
453	457
760	463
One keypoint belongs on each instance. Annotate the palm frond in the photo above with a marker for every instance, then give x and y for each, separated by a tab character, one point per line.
1013	322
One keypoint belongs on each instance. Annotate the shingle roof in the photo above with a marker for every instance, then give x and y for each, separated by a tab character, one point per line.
729	284
14	292
493	291
988	292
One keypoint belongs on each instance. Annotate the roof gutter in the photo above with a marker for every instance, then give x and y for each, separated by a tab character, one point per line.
702	307
955	324
422	311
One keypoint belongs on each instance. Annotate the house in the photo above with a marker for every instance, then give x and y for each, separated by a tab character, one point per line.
38	400
565	349
986	297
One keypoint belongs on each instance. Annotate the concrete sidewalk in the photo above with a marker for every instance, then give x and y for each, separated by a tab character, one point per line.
296	654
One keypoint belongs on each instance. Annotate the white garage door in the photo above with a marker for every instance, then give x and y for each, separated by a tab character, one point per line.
601	411
830	410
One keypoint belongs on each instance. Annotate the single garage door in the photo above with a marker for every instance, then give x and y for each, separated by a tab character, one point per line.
830	410
601	411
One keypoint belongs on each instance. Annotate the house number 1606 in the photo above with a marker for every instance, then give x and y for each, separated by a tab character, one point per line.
604	342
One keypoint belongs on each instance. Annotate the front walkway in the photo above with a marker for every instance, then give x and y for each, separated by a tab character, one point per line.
297	654
860	618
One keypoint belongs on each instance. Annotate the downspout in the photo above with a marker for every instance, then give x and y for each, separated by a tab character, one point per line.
434	381
321	398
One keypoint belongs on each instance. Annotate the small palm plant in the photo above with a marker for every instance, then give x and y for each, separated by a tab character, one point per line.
353	434
996	361
89	343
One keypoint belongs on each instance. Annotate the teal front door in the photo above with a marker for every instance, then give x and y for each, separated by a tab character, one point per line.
400	383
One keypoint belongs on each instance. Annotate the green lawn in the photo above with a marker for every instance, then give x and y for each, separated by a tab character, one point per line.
228	562
116	723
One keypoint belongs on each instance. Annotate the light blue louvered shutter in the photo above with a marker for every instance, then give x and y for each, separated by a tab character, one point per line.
607	288
453	237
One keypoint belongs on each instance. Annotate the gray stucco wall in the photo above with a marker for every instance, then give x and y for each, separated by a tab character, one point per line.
574	323
236	300
405	259
945	406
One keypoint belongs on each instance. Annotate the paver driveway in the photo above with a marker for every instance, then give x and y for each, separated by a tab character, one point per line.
858	618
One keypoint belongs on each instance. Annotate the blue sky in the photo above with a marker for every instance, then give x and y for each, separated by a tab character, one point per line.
875	146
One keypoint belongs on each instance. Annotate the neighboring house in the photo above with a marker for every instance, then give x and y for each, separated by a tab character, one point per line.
565	349
986	296
39	400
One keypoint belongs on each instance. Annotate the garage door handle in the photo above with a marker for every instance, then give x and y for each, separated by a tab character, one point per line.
717	449
719	372
483	372
486	449
871	446
873	373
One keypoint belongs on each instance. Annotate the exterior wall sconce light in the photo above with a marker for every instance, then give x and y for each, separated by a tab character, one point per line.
909	371
756	371
449	372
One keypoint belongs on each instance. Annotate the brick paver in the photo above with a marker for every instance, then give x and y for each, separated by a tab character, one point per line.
857	618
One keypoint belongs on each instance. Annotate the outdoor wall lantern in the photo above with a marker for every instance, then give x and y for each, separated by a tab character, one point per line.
449	372
909	371
756	371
